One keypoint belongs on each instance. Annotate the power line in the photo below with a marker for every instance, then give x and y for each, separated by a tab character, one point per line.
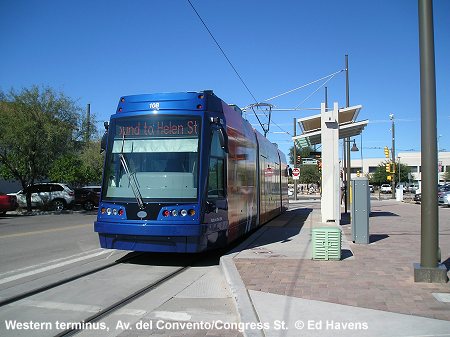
225	55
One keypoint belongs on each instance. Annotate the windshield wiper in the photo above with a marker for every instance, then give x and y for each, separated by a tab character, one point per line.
131	177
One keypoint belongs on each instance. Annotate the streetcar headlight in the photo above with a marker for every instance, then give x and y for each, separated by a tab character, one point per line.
114	211
108	211
191	212
166	213
174	212
183	212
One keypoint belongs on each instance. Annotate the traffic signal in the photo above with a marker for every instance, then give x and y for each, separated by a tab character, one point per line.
392	167
386	152
358	173
299	160
388	167
319	165
389	178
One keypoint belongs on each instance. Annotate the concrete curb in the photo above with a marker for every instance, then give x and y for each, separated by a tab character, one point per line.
241	297
242	300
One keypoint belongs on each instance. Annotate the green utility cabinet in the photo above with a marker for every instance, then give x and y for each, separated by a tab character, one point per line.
360	209
326	243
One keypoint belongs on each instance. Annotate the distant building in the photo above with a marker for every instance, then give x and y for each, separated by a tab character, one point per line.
410	159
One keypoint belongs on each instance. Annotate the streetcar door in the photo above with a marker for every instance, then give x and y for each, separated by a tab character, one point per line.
216	208
216	194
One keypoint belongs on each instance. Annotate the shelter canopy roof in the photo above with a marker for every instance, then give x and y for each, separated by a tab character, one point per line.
311	126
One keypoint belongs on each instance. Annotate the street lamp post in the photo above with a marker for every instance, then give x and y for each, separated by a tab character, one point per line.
439	165
346	177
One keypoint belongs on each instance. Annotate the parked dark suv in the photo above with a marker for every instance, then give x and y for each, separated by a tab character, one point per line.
87	197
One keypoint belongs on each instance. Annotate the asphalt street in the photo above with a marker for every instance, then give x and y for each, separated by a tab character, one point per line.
32	240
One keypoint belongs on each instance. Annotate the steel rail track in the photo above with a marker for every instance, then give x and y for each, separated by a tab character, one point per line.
52	285
120	303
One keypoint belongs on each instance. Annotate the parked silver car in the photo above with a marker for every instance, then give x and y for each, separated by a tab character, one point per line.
54	196
444	199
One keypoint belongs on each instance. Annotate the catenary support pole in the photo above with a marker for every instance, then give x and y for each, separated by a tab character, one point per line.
347	141
295	158
429	269
393	156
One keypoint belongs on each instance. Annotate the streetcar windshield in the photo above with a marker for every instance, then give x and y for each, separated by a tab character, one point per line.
161	153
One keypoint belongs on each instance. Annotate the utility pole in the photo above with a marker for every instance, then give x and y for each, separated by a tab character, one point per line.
429	269
391	117
88	124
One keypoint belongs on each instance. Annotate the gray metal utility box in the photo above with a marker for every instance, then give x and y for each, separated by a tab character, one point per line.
360	209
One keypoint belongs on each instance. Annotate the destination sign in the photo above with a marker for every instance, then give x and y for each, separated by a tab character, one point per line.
158	128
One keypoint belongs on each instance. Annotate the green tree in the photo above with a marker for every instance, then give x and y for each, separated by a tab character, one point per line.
402	172
67	168
380	175
309	174
37	128
79	169
447	175
304	152
92	163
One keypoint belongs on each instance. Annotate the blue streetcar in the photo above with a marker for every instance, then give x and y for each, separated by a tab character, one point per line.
184	172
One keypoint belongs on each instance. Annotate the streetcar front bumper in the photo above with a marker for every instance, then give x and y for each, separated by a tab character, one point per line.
150	237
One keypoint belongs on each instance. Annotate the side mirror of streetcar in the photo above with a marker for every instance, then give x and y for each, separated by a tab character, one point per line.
104	137
103	142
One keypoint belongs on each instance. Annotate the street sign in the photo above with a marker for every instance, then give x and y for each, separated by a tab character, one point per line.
268	172
296	173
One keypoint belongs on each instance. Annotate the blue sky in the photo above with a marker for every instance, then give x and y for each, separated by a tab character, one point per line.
97	51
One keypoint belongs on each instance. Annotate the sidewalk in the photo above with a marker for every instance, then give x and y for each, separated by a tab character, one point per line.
370	292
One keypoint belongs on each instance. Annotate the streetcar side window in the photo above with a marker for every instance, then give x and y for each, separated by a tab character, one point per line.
216	185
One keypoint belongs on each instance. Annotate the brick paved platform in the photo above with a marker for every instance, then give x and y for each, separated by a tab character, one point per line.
378	275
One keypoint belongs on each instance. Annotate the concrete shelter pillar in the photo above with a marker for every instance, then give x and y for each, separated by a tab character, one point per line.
330	202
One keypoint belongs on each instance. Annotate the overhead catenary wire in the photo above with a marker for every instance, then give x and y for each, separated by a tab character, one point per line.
248	89
321	86
327	78
223	52
304	85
